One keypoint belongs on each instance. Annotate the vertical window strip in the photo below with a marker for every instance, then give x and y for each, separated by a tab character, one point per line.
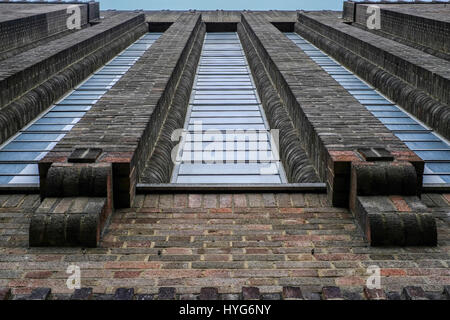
223	100
428	145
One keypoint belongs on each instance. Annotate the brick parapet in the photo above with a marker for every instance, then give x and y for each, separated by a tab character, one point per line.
330	122
295	160
22	110
396	58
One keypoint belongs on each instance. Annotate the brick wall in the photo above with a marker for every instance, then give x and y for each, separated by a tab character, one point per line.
113	37
225	241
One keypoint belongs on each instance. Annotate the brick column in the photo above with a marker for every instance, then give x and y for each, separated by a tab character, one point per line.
339	134
119	132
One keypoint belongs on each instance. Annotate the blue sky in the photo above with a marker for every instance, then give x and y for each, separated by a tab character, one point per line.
221	4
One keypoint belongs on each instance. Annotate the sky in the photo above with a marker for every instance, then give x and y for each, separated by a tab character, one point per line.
221	4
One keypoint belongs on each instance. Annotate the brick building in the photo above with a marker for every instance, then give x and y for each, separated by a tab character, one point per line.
350	108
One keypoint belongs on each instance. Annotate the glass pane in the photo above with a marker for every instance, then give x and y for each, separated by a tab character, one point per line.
434	155
71	108
65	114
405	127
48	120
66	102
29	146
18	168
397	121
21	156
39	137
49	127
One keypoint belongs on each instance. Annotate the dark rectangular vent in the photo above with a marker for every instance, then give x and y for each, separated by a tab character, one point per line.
158	26
85	155
375	154
221	27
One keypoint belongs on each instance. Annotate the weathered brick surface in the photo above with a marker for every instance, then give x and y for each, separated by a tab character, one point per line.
5	293
53	84
21	24
332	293
256	246
374	294
385	53
217	16
423	23
415	80
250	293
384	202
295	160
40	294
137	99
150	246
158	168
413	293
292	293
167	293
209	294
124	294
24	71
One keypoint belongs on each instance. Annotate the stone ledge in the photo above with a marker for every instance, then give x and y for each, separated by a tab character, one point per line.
68	222
21	26
395	223
76	179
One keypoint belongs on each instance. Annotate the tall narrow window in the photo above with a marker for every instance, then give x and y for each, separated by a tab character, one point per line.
20	155
226	136
428	145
